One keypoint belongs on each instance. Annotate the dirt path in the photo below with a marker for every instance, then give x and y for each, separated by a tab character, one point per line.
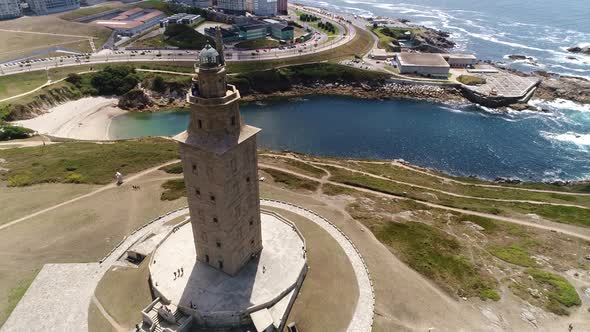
448	192
46	84
417	170
571	230
106	315
107	187
46	33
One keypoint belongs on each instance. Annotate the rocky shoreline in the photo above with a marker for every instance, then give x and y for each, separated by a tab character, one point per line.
363	91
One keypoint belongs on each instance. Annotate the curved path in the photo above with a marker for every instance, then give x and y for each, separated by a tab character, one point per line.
317	163
92	193
571	230
362	319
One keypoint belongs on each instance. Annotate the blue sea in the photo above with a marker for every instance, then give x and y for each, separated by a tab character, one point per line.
492	30
466	140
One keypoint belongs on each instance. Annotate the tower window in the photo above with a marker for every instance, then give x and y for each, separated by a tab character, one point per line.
215	220
212	198
233	120
248	179
197	192
200	124
251	222
220	265
194	167
218	244
252	242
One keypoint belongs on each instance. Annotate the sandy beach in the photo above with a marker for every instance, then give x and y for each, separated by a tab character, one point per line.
86	119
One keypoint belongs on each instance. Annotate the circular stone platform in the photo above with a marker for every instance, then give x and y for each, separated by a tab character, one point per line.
219	299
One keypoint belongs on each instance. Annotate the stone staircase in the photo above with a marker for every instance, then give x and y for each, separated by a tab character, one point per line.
162	325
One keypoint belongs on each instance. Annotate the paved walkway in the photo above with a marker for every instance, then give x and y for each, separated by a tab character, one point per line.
362	319
60	295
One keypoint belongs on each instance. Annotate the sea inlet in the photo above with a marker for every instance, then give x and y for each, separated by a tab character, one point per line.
459	140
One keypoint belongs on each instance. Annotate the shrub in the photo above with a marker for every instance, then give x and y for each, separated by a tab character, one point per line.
471	80
74	79
8	132
116	80
74	178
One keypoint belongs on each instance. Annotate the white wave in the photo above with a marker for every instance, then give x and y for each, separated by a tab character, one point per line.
570	137
560	104
451	109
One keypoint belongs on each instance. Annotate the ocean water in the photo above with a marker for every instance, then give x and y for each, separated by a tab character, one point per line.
465	140
541	29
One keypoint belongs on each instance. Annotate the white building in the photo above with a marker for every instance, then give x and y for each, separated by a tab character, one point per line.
9	9
262	7
460	60
45	7
423	64
232	6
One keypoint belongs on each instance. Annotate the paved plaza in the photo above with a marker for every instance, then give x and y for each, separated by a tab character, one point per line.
506	84
262	280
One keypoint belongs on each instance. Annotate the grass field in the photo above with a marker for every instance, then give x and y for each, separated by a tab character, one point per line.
291	181
471	80
25	82
23	40
257	44
72	15
562	214
81	162
435	255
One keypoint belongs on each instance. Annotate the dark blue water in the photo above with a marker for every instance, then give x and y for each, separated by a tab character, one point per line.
461	141
493	29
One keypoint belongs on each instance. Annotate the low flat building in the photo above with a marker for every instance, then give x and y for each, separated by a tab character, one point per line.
423	64
381	54
282	31
180	18
133	21
460	60
9	9
251	31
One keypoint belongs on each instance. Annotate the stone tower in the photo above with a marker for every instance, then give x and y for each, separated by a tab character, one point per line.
219	159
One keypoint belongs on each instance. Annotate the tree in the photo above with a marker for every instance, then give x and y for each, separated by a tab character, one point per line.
158	84
74	79
116	80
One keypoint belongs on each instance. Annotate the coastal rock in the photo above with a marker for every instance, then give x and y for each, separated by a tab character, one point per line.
579	50
564	87
135	99
519	57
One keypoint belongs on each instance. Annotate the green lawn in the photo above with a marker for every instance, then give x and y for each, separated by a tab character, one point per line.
76	14
437	256
513	254
560	291
173	190
84	162
9	86
471	80
175	168
291	181
562	214
257	44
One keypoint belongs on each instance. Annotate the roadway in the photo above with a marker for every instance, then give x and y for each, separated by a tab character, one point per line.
319	43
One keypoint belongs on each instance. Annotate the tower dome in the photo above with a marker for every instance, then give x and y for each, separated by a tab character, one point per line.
209	57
